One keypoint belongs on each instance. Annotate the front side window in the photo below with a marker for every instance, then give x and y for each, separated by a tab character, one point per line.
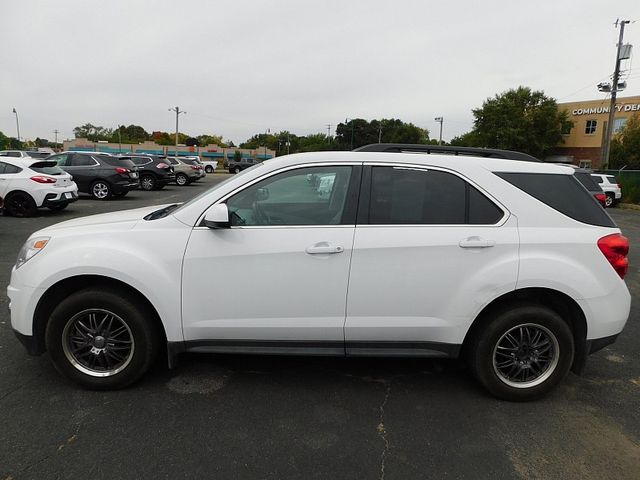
62	159
590	127
305	196
407	196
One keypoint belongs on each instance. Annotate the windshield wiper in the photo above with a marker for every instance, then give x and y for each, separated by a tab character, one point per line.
163	212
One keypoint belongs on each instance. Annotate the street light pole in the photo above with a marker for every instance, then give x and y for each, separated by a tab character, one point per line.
178	112
17	123
614	90
440	120
119	141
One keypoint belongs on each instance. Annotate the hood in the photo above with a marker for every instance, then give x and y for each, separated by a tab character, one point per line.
109	219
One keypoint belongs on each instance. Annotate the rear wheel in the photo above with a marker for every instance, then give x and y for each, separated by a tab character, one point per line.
523	352
208	169
610	201
101	339
20	204
236	170
100	190
148	182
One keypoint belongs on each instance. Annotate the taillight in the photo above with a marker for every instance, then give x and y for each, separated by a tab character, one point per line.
122	170
43	179
195	167
615	248
601	197
163	165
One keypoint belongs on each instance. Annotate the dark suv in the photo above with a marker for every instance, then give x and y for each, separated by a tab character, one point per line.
100	175
236	166
155	171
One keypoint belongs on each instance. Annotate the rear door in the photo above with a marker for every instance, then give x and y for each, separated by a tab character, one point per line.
7	174
430	249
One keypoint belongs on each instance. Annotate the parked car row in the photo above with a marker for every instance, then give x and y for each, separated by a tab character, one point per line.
28	183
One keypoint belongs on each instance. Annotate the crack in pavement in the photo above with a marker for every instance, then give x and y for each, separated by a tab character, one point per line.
382	431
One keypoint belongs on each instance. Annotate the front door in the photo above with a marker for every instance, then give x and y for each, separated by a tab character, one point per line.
277	279
429	249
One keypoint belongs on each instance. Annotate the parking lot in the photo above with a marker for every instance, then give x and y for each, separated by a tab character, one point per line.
220	416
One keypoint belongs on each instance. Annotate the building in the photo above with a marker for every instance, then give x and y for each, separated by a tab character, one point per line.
210	152
583	142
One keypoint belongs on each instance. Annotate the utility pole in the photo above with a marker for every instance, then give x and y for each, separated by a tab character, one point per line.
614	91
380	133
178	112
17	123
56	132
119	141
328	132
440	120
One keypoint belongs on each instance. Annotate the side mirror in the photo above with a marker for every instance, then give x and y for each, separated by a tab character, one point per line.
262	194
217	216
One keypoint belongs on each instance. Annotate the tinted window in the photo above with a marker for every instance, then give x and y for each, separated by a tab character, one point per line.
306	196
48	168
38	154
598	179
428	197
562	193
62	159
482	211
14	154
82	160
587	180
9	169
140	160
611	179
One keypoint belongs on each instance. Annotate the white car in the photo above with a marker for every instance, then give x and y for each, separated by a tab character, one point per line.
209	165
443	256
610	187
28	184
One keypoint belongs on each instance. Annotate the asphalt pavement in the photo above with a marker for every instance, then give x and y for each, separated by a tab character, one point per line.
259	417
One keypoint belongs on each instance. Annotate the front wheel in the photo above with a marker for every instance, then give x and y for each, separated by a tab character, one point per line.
100	190
182	179
101	339
20	204
523	352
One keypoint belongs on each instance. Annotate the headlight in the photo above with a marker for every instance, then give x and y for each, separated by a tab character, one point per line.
30	248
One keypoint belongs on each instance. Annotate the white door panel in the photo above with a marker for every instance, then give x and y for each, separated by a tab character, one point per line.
423	283
266	283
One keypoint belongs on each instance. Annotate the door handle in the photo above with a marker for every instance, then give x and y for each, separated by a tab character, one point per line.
324	248
476	242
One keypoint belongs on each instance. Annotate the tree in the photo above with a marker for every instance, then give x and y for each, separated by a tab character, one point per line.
469	139
520	119
361	132
93	132
205	140
625	146
4	141
192	142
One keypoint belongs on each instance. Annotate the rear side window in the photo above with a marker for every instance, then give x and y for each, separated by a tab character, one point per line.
79	160
7	168
407	196
563	193
587	180
598	179
611	179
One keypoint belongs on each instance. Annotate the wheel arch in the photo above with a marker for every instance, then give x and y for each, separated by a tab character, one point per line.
559	302
56	293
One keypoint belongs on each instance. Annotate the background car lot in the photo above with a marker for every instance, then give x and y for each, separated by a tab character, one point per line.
248	417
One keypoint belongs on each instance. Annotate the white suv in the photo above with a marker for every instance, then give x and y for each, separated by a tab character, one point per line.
610	187
28	184
511	264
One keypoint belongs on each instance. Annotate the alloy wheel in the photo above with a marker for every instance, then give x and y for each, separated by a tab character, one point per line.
526	355
98	342
100	190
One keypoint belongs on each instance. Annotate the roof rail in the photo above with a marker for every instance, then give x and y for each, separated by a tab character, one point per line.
447	150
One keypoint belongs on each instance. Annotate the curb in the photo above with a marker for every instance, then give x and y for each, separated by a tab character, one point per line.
629	206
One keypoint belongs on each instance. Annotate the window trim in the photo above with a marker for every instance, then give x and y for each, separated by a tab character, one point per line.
362	219
352	197
95	164
595	126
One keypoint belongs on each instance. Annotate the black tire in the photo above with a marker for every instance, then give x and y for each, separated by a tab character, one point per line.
59	207
148	183
101	190
20	204
182	180
492	341
610	202
97	363
236	170
208	169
